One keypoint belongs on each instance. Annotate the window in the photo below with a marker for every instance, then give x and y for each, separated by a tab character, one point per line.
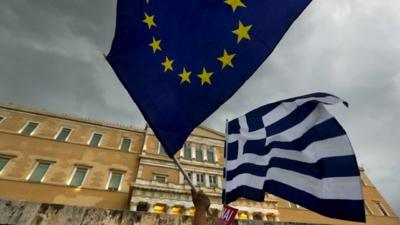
29	128
39	172
177	210
199	153
79	176
126	144
213	180
187	151
96	138
162	150
367	209
159	208
210	155
142	207
243	216
200	179
381	209
191	211
3	162
114	182
257	216
271	217
63	135
160	178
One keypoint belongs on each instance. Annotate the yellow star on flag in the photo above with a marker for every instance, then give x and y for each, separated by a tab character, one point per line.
185	75
149	20
242	32
155	45
235	3
205	76
167	64
226	59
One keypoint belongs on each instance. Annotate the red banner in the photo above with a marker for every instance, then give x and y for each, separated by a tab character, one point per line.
228	215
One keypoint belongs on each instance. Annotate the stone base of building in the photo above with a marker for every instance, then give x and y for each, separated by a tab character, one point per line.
155	197
28	213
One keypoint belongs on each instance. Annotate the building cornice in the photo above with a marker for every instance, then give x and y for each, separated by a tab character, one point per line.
168	163
70	118
194	136
172	188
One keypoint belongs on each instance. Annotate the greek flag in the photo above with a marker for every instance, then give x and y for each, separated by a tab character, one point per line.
296	150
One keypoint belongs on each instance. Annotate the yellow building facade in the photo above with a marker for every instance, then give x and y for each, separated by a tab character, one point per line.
59	159
63	160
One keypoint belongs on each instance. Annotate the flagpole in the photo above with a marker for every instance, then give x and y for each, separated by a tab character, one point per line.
225	156
184	174
188	179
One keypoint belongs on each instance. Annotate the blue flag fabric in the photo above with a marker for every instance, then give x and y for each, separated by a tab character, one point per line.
296	150
180	60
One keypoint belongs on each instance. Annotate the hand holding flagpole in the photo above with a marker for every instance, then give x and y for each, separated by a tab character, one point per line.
189	180
184	173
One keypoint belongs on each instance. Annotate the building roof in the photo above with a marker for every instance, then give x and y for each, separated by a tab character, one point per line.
43	112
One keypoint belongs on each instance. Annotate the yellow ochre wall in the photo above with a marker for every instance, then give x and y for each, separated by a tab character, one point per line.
27	150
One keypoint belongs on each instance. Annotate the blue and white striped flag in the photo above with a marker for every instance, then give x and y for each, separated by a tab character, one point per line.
296	150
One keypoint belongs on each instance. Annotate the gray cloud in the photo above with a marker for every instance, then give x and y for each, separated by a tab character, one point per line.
51	58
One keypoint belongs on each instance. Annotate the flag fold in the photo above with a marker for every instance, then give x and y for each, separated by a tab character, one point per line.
180	60
295	150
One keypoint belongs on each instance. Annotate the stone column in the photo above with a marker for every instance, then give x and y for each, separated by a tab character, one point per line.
145	143
151	207
133	206
194	179
186	211
181	152
193	150
215	154
181	178
204	150
207	180
140	171
168	210
250	215
219	214
219	181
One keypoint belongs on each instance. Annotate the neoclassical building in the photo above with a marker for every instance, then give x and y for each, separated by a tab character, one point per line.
61	159
160	187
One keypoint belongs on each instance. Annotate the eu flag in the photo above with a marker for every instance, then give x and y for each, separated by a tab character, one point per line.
180	60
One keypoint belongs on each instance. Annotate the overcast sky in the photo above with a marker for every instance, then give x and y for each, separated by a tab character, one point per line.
51	58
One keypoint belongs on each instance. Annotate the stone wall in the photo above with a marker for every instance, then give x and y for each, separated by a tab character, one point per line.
27	213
